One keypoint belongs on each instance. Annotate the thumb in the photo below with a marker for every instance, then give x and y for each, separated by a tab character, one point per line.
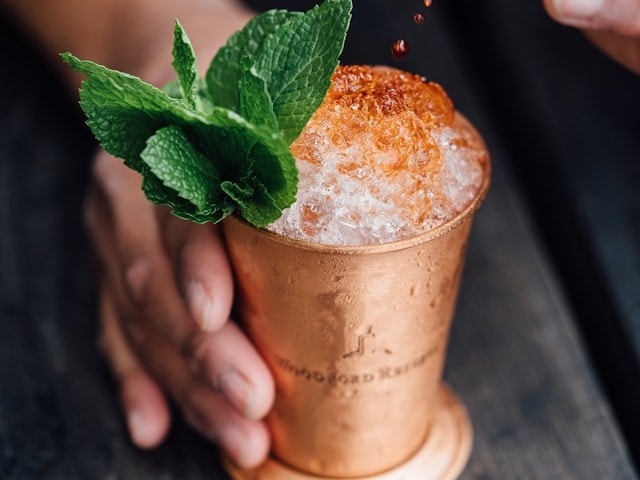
621	16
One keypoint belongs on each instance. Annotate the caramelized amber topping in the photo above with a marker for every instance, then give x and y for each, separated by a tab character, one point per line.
386	91
387	112
384	157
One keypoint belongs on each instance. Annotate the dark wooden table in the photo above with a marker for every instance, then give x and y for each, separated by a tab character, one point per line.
545	349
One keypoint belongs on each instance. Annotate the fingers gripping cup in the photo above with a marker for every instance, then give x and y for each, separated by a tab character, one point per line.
349	297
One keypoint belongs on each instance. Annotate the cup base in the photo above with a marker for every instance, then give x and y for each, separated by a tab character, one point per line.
443	455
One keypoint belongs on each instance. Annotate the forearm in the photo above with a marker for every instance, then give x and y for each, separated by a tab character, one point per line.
129	35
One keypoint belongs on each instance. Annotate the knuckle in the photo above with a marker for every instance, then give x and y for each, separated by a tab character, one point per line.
201	418
137	274
193	349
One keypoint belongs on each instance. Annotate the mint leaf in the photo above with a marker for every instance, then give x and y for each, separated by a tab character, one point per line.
184	64
255	101
160	194
202	101
297	62
275	168
173	89
247	197
122	110
225	69
172	158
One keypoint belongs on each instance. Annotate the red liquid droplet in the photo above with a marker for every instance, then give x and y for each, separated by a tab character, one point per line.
427	3
400	48
418	18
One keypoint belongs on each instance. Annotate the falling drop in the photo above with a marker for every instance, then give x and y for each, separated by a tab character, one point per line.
400	48
418	19
427	3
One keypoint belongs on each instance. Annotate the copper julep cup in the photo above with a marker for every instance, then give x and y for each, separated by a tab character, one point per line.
356	337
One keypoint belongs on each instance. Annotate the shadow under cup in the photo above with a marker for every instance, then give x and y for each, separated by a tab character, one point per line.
355	337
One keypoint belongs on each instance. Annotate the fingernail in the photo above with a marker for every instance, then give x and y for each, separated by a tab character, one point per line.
235	388
577	10
236	444
201	305
138	428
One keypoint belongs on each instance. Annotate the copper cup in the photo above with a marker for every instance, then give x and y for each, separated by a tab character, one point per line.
356	337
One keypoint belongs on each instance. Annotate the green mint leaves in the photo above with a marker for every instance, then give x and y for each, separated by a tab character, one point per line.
210	146
184	64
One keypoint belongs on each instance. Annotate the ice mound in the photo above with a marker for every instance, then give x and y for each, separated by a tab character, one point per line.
384	158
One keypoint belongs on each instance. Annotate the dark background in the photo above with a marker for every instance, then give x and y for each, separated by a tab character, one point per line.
545	349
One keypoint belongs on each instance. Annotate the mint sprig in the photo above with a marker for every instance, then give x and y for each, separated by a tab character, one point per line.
184	64
211	146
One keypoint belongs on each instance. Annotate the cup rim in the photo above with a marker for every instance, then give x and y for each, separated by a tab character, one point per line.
377	247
